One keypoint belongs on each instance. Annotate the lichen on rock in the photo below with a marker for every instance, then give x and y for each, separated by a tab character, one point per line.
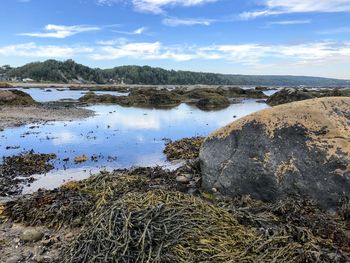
301	148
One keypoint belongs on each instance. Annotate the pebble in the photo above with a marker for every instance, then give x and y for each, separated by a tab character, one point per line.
182	179
32	235
189	176
14	259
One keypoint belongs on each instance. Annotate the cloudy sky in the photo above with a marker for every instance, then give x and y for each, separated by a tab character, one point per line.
294	37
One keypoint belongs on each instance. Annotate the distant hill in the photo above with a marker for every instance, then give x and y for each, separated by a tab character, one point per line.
72	72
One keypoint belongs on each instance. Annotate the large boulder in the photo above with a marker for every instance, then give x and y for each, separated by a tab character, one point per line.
300	148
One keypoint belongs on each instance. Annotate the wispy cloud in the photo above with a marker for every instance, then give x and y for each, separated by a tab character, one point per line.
156	6
174	21
289	22
138	31
275	7
141	51
108	2
112	42
339	30
43	51
60	31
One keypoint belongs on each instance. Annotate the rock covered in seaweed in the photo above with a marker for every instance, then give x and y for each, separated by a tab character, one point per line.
15	97
203	98
301	148
291	94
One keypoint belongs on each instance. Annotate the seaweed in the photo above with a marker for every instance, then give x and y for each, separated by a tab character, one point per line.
17	170
166	226
141	215
184	149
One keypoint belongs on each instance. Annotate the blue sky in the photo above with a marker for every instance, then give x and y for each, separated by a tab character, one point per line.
294	37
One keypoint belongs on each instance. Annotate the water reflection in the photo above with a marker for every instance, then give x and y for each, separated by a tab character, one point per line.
53	94
117	137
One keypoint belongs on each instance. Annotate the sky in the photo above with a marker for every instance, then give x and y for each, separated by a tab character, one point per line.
264	37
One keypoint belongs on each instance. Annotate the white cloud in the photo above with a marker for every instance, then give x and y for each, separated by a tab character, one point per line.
245	54
339	30
45	51
60	31
186	21
275	7
250	54
131	50
156	6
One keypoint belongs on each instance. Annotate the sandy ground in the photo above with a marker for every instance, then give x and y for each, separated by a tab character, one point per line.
14	250
13	116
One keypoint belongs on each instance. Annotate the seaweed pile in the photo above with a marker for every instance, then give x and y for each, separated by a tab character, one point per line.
53	208
17	170
159	226
166	226
69	204
144	215
184	149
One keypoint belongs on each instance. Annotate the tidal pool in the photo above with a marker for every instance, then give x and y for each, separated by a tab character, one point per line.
117	137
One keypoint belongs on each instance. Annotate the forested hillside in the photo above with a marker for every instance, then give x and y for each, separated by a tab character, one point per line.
69	71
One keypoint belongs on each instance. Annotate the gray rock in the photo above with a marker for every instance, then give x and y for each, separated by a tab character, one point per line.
32	235
301	148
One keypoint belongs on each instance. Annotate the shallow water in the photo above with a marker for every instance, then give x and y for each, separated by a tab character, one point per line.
52	94
118	137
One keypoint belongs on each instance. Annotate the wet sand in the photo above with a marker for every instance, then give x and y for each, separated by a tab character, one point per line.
14	116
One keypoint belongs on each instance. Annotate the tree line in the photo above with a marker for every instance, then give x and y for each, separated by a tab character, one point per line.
69	71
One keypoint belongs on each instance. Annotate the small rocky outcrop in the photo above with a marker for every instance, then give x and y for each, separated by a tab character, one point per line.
15	98
301	148
214	102
137	97
292	94
203	98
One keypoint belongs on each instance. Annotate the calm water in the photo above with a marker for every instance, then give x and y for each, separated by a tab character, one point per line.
117	137
52	94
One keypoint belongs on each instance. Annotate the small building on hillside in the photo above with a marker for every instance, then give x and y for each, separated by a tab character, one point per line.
28	80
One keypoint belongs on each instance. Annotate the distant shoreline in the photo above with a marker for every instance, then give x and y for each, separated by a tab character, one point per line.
189	86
